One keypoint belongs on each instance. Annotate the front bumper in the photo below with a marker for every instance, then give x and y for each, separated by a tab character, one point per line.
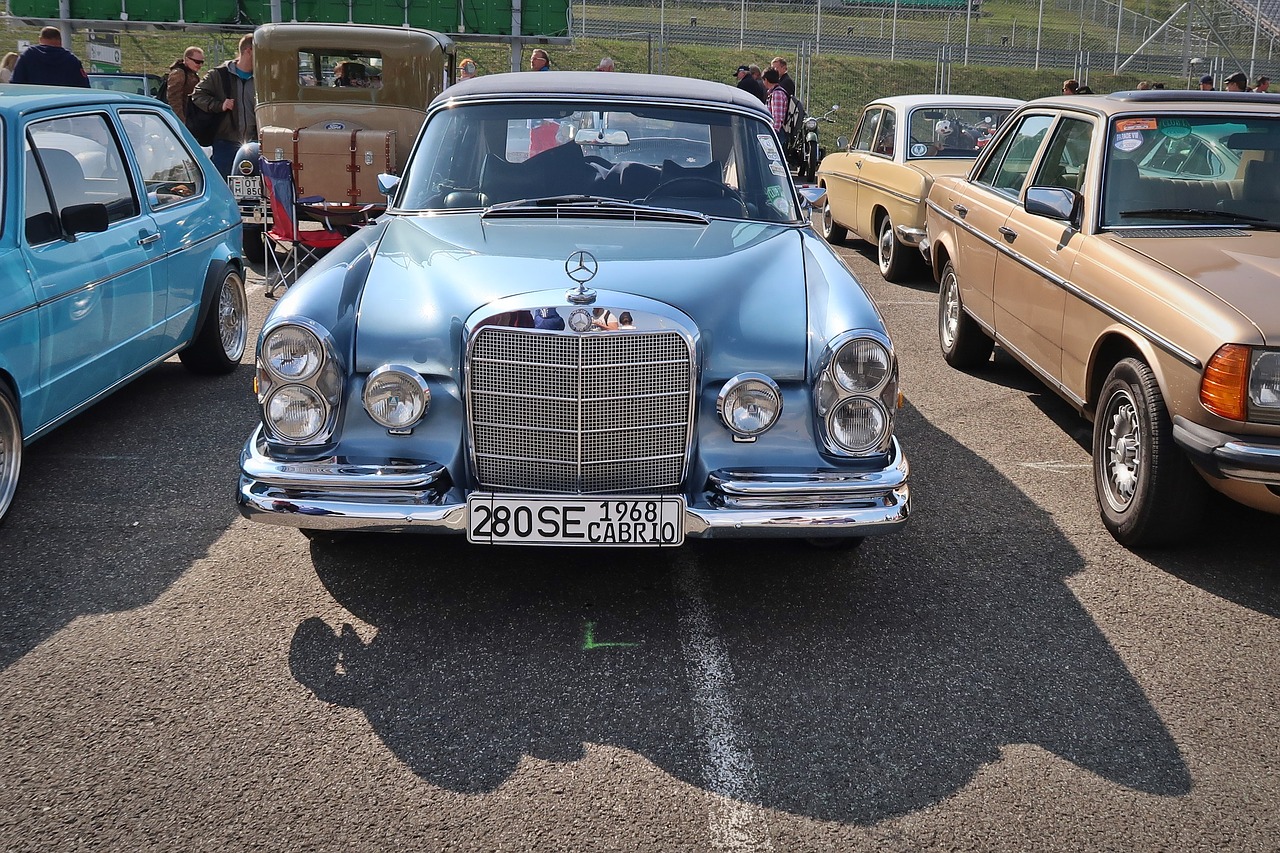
1254	459
339	494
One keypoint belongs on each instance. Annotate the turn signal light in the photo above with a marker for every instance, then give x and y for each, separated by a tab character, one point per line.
1224	386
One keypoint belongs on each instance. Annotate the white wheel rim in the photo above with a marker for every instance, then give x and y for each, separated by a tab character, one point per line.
950	311
233	322
886	247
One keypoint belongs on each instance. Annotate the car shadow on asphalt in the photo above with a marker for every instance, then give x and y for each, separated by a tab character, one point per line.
117	503
864	684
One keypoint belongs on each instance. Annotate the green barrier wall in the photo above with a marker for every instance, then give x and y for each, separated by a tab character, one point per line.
539	17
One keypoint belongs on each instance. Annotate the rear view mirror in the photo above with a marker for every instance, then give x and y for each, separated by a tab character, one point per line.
387	184
85	218
1053	202
592	136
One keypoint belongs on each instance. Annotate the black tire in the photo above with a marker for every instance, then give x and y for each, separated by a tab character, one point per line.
832	231
222	337
894	258
1148	492
255	250
964	344
10	449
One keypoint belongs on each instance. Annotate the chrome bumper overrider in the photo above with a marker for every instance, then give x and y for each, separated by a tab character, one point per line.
910	236
337	494
1254	459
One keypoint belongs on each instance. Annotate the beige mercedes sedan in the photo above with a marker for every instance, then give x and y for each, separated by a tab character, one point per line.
877	184
1126	249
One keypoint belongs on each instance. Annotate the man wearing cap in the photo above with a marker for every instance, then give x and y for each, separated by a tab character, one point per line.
748	83
1237	82
1206	83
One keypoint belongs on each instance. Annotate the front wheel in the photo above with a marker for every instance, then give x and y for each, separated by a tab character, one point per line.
811	156
221	339
893	257
1148	492
10	449
964	344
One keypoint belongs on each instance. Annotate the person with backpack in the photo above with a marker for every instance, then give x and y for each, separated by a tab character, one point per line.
228	91
778	101
183	76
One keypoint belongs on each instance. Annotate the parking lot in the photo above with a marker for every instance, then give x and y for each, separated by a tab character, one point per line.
1000	676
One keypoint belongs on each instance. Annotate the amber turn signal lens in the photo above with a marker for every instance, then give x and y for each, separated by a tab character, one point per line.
1224	386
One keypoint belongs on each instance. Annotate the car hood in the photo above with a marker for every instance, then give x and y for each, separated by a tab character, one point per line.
740	283
1244	272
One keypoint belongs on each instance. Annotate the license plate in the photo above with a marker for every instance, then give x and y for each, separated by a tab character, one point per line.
531	520
245	186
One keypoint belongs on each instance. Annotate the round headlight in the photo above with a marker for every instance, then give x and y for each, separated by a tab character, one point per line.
295	412
858	424
1264	380
292	353
861	366
749	403
396	397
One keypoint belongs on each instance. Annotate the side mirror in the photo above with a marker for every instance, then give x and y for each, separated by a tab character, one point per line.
1054	203
85	218
842	142
812	198
387	184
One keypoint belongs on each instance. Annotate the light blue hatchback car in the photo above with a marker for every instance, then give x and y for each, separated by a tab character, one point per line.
119	247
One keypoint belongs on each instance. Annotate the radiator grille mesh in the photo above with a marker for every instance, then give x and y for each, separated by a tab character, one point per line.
579	413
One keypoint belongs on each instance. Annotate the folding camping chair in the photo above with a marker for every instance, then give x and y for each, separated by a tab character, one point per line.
291	247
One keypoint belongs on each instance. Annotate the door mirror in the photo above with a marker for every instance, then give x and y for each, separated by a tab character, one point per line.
1054	203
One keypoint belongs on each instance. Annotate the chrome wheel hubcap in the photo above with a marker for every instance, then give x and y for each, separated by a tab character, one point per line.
233	322
950	311
886	247
1122	465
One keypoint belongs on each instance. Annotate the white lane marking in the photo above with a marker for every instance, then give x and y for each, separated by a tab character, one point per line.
1056	465
730	771
904	302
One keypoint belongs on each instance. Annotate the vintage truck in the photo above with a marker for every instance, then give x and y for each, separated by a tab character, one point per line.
342	103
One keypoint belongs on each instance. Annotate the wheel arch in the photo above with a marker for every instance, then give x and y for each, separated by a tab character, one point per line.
218	267
1112	347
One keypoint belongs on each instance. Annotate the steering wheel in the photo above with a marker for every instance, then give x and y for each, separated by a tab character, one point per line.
720	190
597	160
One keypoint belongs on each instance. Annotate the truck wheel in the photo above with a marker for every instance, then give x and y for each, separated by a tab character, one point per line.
10	449
255	251
964	344
221	339
1147	490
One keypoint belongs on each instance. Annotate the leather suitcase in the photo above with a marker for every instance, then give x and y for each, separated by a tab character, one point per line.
338	161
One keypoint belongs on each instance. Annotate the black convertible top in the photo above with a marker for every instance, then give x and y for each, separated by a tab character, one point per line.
658	87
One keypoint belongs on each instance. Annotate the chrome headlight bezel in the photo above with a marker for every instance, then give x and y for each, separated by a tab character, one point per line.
324	379
302	395
732	391
835	386
1264	384
412	383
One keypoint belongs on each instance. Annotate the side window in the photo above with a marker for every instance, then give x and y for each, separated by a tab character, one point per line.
169	172
83	164
1009	164
1065	159
866	135
884	139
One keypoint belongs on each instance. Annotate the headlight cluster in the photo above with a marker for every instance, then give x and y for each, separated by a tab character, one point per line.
299	384
856	395
1242	383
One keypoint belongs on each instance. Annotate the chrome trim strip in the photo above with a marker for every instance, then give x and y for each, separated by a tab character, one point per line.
335	472
1114	313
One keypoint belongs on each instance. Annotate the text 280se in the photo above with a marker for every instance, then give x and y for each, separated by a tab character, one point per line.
531	520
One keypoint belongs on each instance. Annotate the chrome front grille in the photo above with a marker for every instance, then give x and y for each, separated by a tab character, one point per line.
593	413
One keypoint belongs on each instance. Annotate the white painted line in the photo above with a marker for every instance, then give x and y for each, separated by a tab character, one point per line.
730	771
1056	465
932	304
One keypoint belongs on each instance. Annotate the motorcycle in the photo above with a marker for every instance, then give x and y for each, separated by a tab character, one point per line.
811	153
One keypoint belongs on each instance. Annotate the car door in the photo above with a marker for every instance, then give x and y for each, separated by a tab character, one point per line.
172	186
877	176
100	315
843	185
1039	254
981	209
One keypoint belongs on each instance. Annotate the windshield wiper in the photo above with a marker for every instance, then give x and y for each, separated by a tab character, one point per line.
560	201
1193	213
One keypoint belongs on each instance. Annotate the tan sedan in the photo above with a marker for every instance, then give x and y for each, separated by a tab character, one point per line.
1126	250
877	184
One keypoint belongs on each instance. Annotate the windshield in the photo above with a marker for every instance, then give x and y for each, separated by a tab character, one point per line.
706	161
952	131
1192	169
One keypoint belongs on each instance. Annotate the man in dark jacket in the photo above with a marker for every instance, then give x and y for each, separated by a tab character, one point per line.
184	74
49	63
229	89
748	83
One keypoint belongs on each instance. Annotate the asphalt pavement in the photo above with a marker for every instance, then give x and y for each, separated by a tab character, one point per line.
999	676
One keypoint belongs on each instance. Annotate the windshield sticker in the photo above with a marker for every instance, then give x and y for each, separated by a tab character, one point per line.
1129	141
770	150
772	193
778	169
1126	124
1174	128
919	149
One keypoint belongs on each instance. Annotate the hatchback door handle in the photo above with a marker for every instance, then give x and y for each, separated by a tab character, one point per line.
1009	234
960	209
150	238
